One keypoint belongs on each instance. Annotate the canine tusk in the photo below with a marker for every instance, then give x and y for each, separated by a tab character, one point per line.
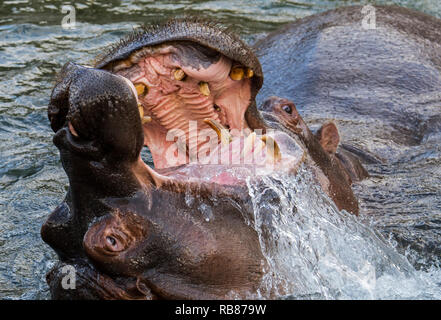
273	148
146	119
248	144
222	132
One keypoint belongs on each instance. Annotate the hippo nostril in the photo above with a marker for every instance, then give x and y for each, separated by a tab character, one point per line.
287	108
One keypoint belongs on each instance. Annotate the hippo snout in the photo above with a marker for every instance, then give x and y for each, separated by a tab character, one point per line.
97	107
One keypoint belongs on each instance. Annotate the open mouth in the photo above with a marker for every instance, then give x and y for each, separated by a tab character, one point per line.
192	102
196	104
189	98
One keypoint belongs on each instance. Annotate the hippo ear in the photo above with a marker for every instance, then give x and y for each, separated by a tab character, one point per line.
329	137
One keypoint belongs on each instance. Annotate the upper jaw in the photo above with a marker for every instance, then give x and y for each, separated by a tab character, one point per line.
197	116
193	113
176	99
187	70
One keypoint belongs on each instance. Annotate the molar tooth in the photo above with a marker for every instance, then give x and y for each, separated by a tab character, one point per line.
141	89
237	73
222	132
249	73
179	74
204	88
273	148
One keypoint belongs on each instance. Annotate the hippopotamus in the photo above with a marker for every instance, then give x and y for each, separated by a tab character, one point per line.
193	93
183	227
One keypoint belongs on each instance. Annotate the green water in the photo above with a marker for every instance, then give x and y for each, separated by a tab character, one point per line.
33	47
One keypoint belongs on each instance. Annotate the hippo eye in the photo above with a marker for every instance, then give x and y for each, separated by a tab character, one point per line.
216	108
111	241
287	108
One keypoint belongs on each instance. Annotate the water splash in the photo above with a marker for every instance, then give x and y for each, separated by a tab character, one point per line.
315	251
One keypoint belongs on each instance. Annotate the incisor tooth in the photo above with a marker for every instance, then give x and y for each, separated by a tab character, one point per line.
204	88
72	129
273	149
237	73
179	74
141	89
222	132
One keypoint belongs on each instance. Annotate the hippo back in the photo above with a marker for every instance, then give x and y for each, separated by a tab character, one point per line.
386	80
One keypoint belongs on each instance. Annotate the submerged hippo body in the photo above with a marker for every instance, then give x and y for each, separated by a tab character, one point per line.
183	229
382	83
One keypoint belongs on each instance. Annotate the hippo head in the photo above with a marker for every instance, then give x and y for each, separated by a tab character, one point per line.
183	227
335	167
